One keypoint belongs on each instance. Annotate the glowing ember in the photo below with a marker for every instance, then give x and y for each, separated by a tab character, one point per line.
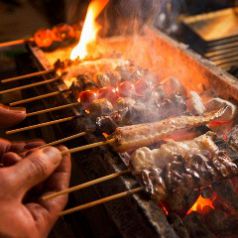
202	205
90	29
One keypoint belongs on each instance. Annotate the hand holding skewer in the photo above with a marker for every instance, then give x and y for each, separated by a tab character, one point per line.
33	218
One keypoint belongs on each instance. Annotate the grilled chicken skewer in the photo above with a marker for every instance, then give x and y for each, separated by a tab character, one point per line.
129	138
174	170
171	172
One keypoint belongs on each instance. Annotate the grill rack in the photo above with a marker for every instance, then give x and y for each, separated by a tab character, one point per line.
141	208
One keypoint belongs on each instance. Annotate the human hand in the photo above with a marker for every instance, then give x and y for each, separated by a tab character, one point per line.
22	215
10	116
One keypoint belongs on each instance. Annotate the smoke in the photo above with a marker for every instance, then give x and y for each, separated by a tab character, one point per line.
123	16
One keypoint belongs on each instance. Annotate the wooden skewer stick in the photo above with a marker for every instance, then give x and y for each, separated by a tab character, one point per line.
86	185
27	76
29	85
47	95
52	109
11	43
90	146
57	142
101	201
27	128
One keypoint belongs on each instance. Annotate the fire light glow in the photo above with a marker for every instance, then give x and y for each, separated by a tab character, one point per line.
90	29
202	205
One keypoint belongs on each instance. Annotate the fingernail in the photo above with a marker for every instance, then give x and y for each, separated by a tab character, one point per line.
18	109
53	154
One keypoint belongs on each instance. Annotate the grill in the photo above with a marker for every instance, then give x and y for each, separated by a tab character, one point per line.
214	41
114	219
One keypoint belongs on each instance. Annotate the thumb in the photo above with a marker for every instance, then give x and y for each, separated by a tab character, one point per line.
9	116
35	168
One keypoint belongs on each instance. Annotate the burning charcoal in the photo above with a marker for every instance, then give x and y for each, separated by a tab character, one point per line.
100	107
196	227
216	103
195	104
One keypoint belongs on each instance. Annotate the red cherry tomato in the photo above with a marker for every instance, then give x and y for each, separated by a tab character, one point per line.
88	96
126	89
142	86
62	32
109	93
44	38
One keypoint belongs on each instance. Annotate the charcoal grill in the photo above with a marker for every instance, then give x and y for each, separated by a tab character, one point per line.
135	216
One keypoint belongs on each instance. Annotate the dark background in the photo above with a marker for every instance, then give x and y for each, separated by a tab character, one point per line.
20	18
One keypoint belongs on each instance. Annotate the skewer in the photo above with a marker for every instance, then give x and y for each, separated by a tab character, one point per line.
27	128
26	76
11	43
52	109
90	146
87	184
60	141
47	95
101	201
29	85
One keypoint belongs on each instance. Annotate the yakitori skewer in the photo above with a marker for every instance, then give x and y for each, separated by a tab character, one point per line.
129	138
60	141
89	146
27	76
12	43
52	109
29	85
36	98
86	185
102	200
27	128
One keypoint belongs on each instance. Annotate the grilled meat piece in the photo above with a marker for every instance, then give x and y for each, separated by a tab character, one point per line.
195	104
184	172
172	149
129	138
81	83
100	107
216	103
233	138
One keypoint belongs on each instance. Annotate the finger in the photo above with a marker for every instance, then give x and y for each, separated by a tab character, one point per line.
18	146
46	212
5	146
34	144
10	158
34	169
58	181
10	116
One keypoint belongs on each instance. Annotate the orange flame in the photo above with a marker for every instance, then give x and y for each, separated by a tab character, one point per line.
202	205
90	29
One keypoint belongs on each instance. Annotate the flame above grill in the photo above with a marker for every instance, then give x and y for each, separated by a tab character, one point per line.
90	29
